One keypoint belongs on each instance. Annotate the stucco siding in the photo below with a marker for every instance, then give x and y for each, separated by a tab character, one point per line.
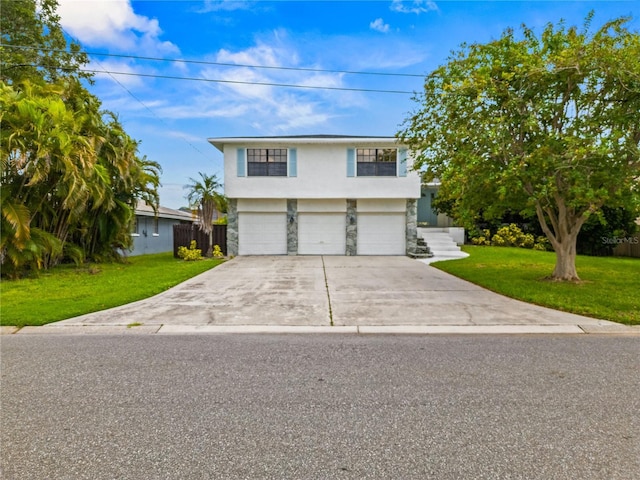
320	206
381	205
262	205
321	174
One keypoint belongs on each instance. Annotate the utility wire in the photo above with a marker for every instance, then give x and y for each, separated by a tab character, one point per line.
217	80
270	84
134	97
202	62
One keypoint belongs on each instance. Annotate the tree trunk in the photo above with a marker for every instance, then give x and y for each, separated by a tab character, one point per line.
563	235
209	253
565	269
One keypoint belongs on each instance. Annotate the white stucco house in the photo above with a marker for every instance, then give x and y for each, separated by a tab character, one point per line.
319	195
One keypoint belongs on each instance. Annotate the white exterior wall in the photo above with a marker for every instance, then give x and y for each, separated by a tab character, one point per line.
321	174
382	206
262	205
333	205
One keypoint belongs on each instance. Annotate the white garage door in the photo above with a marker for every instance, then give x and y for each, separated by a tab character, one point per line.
381	234
262	233
321	233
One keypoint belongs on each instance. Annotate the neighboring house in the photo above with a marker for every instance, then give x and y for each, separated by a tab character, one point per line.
154	233
426	213
319	195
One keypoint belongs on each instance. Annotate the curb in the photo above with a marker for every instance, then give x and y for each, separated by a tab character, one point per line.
617	329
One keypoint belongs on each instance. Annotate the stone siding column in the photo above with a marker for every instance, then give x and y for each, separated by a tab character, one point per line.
232	227
412	225
292	227
352	227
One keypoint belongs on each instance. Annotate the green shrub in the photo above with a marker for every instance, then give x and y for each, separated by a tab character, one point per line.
527	241
190	254
510	236
217	252
542	243
481	237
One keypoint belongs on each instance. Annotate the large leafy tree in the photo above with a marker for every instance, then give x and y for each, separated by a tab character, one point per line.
34	45
204	197
70	174
546	125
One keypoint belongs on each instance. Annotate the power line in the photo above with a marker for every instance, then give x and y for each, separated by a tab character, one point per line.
137	99
217	80
240	82
223	64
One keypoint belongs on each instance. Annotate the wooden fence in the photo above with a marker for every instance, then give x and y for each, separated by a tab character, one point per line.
630	248
183	235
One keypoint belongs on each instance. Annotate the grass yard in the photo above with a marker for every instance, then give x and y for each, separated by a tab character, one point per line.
610	287
67	291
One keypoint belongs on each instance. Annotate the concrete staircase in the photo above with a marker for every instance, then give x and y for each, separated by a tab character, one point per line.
422	249
440	243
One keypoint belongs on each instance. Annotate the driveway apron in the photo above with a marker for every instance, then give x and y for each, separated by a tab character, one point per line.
328	290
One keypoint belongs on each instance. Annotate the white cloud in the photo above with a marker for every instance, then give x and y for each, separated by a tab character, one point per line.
414	6
225	5
110	23
257	102
379	25
254	104
202	107
373	52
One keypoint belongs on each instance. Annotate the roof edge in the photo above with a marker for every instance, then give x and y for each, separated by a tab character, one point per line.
219	142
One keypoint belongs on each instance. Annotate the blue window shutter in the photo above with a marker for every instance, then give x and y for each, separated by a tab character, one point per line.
402	166
351	162
242	170
293	162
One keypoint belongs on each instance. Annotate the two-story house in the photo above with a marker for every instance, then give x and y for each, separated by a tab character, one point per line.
319	195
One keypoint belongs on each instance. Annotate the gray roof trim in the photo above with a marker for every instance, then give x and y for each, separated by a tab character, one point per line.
144	210
220	142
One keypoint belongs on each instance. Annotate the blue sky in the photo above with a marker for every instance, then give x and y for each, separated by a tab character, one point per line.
173	118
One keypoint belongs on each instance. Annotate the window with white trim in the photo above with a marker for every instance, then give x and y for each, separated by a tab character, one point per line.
377	162
266	162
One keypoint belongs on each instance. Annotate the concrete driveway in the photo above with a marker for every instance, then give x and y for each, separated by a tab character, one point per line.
326	293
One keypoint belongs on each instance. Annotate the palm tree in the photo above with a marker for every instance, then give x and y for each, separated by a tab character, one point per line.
70	177
204	197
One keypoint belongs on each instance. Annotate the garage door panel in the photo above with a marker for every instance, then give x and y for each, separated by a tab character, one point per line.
381	234
321	234
262	233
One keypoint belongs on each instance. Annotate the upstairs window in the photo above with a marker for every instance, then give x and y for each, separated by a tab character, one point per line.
267	162
377	162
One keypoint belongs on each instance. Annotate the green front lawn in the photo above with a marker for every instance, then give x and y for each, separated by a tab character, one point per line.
610	287
67	291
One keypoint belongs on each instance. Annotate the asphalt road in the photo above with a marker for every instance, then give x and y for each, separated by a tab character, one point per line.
320	407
